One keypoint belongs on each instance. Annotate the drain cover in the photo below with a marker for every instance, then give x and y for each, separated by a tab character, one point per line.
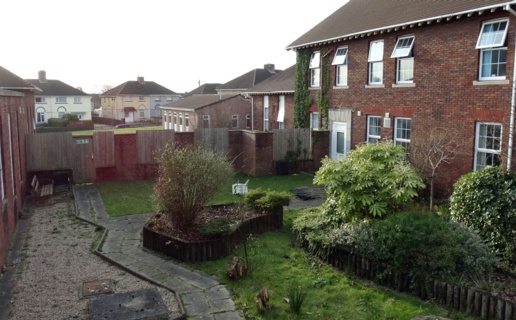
95	287
134	305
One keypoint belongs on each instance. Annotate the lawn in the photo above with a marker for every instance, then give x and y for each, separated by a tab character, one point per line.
278	265
132	197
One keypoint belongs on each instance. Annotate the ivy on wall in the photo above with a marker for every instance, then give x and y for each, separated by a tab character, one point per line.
322	95
302	100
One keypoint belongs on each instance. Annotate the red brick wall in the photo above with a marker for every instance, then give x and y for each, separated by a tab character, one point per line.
273	111
21	111
446	64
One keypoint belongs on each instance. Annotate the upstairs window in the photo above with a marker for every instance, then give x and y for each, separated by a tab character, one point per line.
128	98
375	60
404	56
340	61
157	98
40	100
315	70
493	49
60	99
141	98
77	100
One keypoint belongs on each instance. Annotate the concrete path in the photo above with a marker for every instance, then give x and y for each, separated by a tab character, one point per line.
202	297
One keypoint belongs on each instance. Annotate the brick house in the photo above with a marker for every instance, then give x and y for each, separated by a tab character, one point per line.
399	70
273	102
16	120
138	100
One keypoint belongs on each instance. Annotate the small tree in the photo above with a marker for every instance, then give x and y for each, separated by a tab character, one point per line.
188	179
428	153
369	183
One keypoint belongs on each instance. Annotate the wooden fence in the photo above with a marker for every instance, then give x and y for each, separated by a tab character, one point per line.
149	143
472	301
49	151
214	139
290	143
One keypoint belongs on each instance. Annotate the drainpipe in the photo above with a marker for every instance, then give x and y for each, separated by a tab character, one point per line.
513	102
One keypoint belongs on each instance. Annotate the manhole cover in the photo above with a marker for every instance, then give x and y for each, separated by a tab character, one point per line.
95	287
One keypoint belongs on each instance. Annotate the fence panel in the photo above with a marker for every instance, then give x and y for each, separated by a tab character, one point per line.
150	142
104	149
49	151
292	144
214	139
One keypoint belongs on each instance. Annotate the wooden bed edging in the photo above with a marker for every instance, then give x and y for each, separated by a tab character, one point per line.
213	249
469	300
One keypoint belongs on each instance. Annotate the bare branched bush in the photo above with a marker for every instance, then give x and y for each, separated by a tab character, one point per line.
188	179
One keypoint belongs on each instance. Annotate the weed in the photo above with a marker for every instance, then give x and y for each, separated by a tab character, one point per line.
297	297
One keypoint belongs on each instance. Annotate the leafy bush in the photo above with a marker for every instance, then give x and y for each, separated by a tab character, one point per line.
188	179
267	201
70	116
218	226
56	122
371	182
485	200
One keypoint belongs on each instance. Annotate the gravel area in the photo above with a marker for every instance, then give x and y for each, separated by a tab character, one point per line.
57	259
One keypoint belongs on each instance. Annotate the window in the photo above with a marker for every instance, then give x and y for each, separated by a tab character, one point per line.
40	100
404	59
181	122
340	61
128	98
206	121
60	99
375	60
169	98
175	121
187	122
374	125
141	98
77	100
265	113
493	52
315	70
142	113
61	112
281	112
402	129
488	145
234	121
314	121
248	121
157	98
40	115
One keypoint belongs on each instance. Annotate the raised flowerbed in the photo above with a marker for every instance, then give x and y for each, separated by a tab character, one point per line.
213	248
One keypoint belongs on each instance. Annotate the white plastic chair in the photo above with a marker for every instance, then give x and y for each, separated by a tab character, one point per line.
240	188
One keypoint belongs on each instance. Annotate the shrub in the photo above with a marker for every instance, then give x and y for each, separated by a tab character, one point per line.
188	179
485	200
267	201
296	297
371	182
70	116
55	122
218	226
252	196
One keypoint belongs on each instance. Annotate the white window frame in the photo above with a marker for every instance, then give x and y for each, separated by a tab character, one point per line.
315	69
403	141
128	98
403	53
492	41
175	121
373	138
61	111
281	112
76	99
41	100
206	117
234	121
141	98
40	115
187	122
375	60
485	150
60	99
169	98
180	121
340	61
157	98
265	113
314	121
248	121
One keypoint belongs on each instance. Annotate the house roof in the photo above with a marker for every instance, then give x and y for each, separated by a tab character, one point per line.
282	82
56	88
197	101
359	18
250	79
10	81
207	88
138	88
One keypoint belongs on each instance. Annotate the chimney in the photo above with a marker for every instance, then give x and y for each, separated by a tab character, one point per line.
269	67
42	76
140	80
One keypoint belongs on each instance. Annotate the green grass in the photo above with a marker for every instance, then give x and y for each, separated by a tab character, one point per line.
279	265
117	131
133	197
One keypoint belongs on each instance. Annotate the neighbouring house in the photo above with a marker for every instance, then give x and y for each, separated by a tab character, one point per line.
207	88
58	98
273	102
247	80
16	120
232	111
138	100
400	70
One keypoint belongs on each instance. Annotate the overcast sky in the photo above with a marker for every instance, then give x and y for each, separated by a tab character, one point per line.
93	43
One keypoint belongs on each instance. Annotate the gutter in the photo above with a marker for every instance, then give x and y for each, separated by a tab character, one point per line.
510	143
400	25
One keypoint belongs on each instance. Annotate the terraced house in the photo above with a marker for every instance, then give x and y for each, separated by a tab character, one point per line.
401	69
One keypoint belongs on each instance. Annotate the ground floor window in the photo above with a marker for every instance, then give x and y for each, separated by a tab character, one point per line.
61	112
40	115
374	125
314	121
206	121
488	144
402	128
248	121
234	121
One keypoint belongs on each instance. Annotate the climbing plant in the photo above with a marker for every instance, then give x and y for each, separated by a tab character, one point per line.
322	95
302	98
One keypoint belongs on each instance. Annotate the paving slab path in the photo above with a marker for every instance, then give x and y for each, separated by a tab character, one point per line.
202	297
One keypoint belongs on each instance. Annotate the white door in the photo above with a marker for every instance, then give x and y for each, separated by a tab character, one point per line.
338	140
129	117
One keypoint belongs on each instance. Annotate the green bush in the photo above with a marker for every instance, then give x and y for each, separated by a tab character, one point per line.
252	196
267	201
218	226
55	122
70	116
188	179
371	182
485	200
